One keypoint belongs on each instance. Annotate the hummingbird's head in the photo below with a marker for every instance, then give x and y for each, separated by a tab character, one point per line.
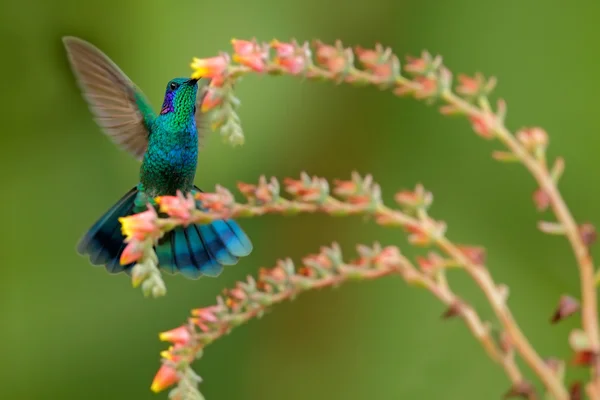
180	97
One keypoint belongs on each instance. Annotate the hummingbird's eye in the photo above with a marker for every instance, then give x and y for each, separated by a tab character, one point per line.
174	85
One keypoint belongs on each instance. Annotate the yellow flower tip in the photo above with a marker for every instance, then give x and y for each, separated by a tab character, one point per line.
165	377
163	337
130	254
236	58
137	276
156	387
197	74
274	43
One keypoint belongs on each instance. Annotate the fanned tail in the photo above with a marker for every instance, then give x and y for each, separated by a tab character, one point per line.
194	251
198	250
104	241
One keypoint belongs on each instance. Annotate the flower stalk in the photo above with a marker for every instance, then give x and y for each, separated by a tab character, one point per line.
424	78
250	299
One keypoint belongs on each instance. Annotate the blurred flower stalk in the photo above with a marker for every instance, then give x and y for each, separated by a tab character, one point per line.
424	78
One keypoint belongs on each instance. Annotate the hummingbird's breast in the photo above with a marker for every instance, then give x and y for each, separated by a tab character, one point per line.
169	166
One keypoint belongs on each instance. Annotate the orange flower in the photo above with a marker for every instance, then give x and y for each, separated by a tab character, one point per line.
180	335
334	58
290	57
541	199
417	65
140	226
430	263
250	54
132	252
469	86
475	86
484	125
264	192
380	61
283	49
428	87
414	199
306	188
206	313
165	377
345	188
276	274
219	201
319	260
533	138
211	100
243	47
388	256
247	189
417	235
475	254
237	293
210	67
179	207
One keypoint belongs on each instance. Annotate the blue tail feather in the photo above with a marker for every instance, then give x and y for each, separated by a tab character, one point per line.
194	251
104	241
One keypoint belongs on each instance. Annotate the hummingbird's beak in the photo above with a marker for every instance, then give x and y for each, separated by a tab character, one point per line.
192	82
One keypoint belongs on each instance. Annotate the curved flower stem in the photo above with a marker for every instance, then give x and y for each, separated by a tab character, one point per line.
584	260
361	196
425	78
251	299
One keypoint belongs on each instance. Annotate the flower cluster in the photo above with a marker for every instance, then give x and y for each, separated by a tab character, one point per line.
357	196
425	78
249	299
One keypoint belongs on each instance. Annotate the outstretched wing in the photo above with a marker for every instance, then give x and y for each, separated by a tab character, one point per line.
202	122
118	107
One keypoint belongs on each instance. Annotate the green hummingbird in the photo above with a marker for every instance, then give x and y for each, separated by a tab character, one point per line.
167	145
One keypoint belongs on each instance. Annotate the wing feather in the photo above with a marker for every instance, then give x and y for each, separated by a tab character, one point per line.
118	107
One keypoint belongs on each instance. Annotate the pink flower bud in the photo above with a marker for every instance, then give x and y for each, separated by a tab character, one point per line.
165	377
219	201
290	57
541	200
533	139
333	58
180	335
206	313
381	62
132	252
140	226
306	188
388	256
178	207
317	260
484	125
250	54
414	199
432	262
475	86
211	100
567	306
417	235
476	255
417	65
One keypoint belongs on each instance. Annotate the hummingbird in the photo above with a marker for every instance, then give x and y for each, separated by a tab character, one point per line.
167	145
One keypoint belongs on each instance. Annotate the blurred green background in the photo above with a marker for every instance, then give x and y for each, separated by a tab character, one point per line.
72	331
